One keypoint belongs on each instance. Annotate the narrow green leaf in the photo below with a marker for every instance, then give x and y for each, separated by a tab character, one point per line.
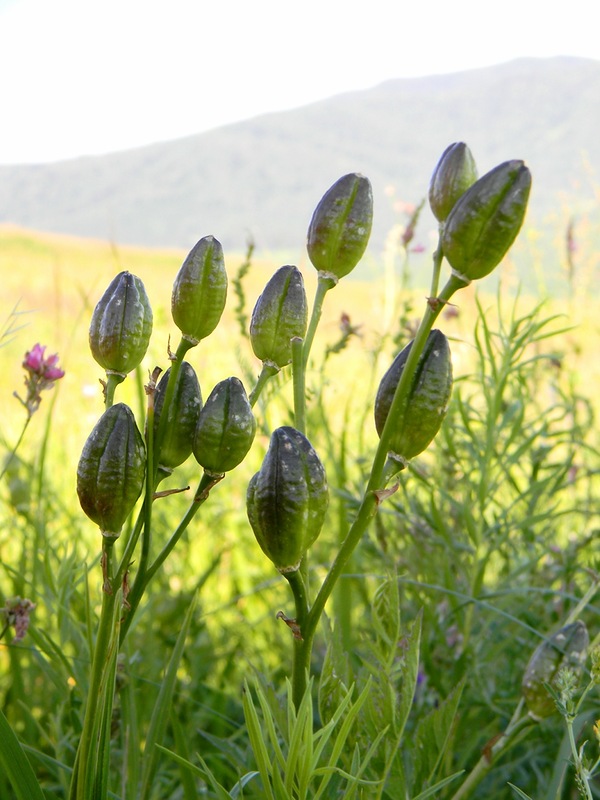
520	793
257	742
16	766
160	714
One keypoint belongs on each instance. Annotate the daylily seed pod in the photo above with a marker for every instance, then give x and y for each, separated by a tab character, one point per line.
455	172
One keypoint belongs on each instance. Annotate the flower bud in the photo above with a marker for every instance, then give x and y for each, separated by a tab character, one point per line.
182	416
423	413
455	172
121	325
341	225
485	221
111	470
287	499
200	291
280	314
566	648
225	429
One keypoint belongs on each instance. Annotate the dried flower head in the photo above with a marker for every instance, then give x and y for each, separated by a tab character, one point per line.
17	613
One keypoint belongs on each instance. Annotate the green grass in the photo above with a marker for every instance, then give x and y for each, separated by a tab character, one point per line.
487	546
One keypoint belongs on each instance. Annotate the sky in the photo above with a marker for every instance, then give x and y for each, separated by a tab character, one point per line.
85	77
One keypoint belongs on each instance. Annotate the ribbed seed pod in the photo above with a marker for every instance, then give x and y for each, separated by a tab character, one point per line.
421	418
287	499
182	416
200	291
280	314
121	325
566	648
226	428
111	470
455	172
486	219
340	227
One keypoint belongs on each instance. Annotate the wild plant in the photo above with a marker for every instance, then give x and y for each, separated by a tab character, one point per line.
347	725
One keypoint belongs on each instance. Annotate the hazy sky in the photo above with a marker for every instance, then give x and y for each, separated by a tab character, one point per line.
83	77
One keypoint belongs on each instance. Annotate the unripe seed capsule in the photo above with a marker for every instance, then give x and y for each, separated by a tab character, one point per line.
485	221
287	499
427	402
455	172
200	291
121	325
341	225
226	428
566	648
182	416
280	314
111	470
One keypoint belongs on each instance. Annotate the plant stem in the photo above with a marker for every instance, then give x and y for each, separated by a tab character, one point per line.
323	286
205	485
377	480
302	653
105	650
13	452
113	379
299	375
517	725
267	371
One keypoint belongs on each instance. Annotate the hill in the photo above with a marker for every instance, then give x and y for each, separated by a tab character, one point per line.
262	177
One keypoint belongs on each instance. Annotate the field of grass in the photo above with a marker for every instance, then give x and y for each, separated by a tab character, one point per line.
487	547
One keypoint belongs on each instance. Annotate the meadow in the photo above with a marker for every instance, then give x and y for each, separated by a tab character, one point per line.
483	547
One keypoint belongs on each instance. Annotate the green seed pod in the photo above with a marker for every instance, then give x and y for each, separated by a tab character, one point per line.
427	400
485	221
182	416
280	314
455	172
121	325
287	499
225	429
111	470
566	648
339	231
200	291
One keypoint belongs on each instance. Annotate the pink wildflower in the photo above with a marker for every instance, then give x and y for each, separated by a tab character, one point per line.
42	373
17	613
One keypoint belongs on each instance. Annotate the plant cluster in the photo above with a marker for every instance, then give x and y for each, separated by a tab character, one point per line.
375	722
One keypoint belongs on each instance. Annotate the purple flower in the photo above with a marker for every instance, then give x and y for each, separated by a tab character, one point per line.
42	373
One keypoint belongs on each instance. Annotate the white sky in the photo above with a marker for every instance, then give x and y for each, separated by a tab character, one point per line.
82	77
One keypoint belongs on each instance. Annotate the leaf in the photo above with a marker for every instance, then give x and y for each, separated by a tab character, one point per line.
519	792
160	714
432	736
16	765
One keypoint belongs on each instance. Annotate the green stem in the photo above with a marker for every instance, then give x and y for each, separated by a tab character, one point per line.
113	379
323	286
517	726
380	469
85	770
267	372
16	447
438	257
133	600
299	376
302	652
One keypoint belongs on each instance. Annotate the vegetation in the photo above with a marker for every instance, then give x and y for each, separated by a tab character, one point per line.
170	660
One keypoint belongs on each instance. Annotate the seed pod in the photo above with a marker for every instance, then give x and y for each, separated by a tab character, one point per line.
121	325
566	648
182	416
280	314
341	225
427	401
225	429
111	470
455	172
287	499
485	220
200	291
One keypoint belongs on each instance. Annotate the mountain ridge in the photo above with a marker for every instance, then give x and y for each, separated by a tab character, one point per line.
262	177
